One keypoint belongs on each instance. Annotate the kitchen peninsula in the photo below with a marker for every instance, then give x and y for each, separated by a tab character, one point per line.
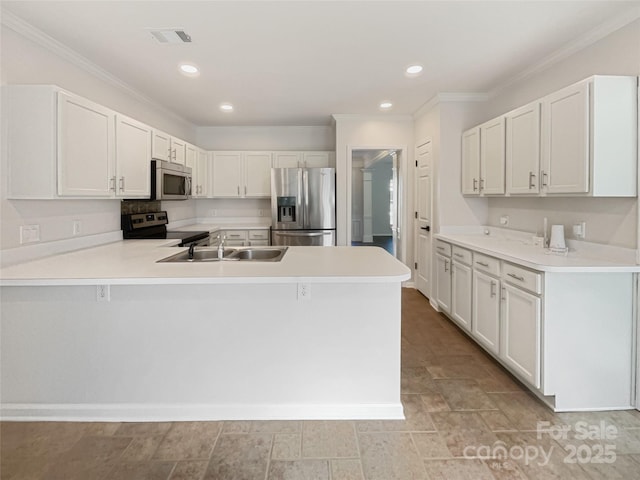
107	333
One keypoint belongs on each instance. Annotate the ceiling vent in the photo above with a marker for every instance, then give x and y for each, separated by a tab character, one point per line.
170	35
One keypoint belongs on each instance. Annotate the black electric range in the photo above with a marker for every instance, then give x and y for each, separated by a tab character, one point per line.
154	226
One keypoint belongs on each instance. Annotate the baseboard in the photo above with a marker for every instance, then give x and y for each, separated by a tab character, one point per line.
196	412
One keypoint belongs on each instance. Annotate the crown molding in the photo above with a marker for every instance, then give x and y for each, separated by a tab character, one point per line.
40	38
580	43
450	97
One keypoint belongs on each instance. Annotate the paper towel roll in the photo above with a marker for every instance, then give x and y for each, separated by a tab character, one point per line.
557	237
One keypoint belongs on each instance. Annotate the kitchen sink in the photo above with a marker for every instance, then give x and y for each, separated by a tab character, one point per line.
260	254
208	254
199	255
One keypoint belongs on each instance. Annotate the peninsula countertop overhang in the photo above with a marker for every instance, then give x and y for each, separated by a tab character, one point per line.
132	262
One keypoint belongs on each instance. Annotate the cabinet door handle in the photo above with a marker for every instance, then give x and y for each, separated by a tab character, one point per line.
481	184
504	293
475	184
122	184
459	255
175	154
440	248
517	277
544	177
112	181
245	189
483	264
493	288
238	190
531	177
446	266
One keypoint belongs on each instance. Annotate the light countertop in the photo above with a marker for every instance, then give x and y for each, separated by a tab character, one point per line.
520	250
134	262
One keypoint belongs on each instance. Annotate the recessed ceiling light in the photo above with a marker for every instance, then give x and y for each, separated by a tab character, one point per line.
386	105
413	70
189	69
226	107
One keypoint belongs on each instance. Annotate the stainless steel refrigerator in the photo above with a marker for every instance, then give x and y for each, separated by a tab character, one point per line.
303	206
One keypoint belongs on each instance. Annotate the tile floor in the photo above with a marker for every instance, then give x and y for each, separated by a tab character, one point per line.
456	399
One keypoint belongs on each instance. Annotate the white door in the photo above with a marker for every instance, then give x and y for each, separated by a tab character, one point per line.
492	157
287	159
565	140
471	162
443	282
523	150
486	308
133	158
257	170
85	148
424	158
226	174
521	333
317	159
461	283
178	151
203	173
161	146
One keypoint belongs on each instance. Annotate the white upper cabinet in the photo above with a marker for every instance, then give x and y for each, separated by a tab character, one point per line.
168	148
241	174
60	145
133	154
589	138
579	141
198	160
257	174
565	146
492	157
523	150
471	162
303	159
85	148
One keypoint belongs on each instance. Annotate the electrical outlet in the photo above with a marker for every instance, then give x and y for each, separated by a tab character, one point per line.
103	293
77	227
504	220
29	233
261	213
214	213
580	230
304	291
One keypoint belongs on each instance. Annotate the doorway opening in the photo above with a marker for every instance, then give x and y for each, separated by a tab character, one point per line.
374	198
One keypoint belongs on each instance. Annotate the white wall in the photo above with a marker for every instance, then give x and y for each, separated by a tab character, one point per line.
609	221
25	62
379	132
266	138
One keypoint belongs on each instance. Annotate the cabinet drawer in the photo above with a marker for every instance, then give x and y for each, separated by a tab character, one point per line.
461	255
443	248
258	234
259	243
486	264
235	234
521	277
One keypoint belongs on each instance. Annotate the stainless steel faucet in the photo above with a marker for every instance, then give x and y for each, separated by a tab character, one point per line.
221	246
191	250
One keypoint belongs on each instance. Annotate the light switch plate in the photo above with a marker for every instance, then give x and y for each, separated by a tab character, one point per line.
29	233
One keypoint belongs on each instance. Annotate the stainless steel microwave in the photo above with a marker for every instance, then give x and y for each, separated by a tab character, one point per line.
170	181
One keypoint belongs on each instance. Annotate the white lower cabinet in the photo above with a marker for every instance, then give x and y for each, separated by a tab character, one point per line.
461	282
241	237
521	333
486	311
443	282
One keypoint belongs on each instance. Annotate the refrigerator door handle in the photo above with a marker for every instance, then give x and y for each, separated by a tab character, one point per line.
305	196
301	234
